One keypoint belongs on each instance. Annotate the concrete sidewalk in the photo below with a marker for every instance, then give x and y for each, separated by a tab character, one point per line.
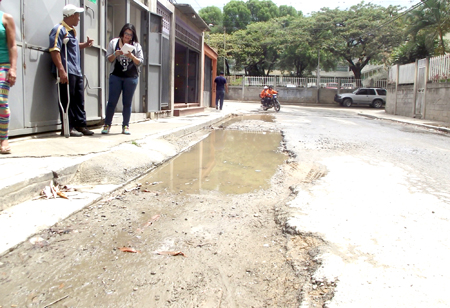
381	114
38	160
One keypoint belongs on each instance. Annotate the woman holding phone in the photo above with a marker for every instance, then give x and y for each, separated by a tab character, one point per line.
124	74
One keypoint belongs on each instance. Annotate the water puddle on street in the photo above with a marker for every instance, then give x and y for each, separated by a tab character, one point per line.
229	161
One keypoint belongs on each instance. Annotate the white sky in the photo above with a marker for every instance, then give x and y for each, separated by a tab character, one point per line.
306	6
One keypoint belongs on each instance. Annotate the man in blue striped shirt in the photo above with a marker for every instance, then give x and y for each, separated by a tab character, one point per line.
61	31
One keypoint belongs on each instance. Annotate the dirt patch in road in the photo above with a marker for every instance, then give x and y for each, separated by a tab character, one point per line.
156	248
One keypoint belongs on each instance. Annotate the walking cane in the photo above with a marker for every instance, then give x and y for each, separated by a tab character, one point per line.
64	111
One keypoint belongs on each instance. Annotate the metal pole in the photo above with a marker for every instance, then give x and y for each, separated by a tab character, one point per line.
224	51
318	68
318	77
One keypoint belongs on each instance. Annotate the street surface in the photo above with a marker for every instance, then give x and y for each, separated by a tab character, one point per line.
356	216
381	208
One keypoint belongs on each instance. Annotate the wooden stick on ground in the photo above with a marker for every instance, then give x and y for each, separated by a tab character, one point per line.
56	301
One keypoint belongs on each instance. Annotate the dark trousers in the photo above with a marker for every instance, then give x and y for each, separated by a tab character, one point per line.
220	95
77	115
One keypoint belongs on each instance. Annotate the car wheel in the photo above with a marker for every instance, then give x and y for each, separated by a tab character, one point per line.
377	103
347	102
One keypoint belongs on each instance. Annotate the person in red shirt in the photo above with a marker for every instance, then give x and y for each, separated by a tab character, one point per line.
264	96
271	91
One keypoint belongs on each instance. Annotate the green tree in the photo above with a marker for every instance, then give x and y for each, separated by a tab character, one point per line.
359	34
262	10
288	11
256	49
212	15
408	52
236	16
300	48
432	20
216	41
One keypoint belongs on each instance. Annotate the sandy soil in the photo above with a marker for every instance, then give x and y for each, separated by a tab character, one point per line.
232	251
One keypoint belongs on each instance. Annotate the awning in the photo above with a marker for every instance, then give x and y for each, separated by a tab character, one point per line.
187	10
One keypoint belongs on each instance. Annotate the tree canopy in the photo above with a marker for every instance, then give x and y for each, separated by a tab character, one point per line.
236	16
212	15
300	48
286	10
255	49
262	10
432	21
357	35
261	37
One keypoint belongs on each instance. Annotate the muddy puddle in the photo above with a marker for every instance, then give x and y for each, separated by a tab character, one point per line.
228	161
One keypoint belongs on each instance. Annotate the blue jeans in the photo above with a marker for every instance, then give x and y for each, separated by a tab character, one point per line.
219	98
118	85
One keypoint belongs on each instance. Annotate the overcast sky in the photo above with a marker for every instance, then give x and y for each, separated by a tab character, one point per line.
306	6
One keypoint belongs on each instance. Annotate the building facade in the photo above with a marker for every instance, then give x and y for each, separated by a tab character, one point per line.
171	35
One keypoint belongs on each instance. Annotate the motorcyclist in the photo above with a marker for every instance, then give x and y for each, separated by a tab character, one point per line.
264	96
271	91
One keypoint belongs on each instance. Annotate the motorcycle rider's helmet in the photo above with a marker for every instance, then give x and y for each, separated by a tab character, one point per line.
265	87
271	87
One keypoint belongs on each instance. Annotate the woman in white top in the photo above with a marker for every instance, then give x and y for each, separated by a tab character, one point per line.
124	74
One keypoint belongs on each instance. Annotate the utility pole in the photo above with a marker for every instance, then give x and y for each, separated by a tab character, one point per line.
224	51
318	69
318	76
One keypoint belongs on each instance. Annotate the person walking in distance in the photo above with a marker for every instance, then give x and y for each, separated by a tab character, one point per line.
8	65
124	74
221	86
74	77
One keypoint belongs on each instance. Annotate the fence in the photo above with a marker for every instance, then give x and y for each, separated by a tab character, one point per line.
309	82
406	73
438	70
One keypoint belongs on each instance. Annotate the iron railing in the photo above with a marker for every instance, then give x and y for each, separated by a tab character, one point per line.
309	82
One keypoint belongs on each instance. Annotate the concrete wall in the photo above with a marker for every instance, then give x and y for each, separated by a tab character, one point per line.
286	95
437	102
405	100
390	100
437	98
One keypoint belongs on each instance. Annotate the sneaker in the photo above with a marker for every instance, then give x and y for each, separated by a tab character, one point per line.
85	131
126	130
106	129
75	133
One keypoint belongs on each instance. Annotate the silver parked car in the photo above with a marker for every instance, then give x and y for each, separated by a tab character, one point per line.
375	97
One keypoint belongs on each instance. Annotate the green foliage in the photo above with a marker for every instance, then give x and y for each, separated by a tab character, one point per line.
236	82
134	142
409	51
301	47
236	16
262	10
432	21
357	35
216	41
259	43
212	15
288	11
256	49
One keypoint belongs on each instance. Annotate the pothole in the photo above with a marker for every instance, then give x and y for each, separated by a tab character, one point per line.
229	160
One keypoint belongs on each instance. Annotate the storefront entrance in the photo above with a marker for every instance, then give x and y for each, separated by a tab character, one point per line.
186	74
